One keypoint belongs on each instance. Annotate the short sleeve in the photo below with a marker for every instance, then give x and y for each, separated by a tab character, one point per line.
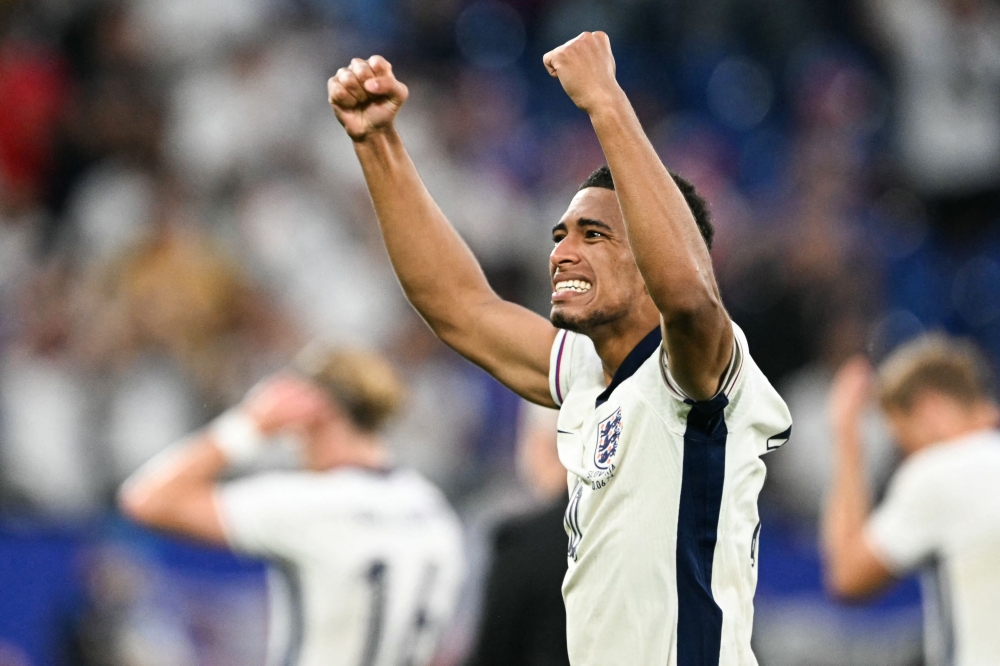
559	366
904	530
256	516
731	378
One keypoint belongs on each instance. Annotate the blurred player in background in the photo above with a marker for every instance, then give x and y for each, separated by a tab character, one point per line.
663	414
523	617
371	555
942	510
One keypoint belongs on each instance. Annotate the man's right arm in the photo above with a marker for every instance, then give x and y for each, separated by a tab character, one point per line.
438	273
852	568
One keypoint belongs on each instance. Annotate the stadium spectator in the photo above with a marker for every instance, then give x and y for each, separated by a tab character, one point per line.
945	58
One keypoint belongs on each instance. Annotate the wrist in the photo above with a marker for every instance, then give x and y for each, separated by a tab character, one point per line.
238	436
610	105
376	140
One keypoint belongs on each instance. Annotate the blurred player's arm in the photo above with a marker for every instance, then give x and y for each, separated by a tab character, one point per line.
438	273
851	567
665	241
176	490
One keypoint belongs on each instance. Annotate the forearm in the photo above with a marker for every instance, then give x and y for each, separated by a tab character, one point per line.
668	249
443	280
435	267
847	508
665	240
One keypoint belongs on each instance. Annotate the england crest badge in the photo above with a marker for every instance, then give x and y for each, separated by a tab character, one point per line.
609	431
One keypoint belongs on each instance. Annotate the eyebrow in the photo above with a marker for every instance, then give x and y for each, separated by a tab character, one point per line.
583	222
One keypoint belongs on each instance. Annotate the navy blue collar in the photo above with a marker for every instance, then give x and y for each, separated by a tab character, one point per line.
632	362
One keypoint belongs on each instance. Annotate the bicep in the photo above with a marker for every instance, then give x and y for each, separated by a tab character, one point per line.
174	491
510	342
192	513
198	517
699	347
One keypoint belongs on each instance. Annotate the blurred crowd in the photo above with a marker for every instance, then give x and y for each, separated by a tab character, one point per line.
180	213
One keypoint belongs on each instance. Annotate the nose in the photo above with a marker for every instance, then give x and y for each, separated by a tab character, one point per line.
565	253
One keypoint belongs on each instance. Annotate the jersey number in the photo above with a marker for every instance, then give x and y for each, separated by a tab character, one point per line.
376	576
376	617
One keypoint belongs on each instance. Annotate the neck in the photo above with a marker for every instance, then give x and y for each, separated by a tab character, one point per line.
614	341
956	434
341	445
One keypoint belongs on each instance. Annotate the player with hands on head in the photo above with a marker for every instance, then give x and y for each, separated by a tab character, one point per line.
663	413
366	559
941	513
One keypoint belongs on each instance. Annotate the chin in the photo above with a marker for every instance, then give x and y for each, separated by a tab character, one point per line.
582	322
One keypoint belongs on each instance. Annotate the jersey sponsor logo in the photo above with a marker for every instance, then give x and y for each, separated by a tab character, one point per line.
609	431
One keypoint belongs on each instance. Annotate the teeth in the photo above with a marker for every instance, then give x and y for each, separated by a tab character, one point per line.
579	286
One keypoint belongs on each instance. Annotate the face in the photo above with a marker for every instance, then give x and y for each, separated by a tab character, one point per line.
934	417
594	277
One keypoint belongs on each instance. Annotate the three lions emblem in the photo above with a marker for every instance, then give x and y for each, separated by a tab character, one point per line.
608	433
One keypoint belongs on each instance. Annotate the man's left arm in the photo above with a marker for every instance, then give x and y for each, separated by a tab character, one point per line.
668	248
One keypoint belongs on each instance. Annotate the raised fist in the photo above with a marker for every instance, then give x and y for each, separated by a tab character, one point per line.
366	96
586	69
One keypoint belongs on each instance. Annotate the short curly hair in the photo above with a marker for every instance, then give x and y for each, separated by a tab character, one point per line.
601	177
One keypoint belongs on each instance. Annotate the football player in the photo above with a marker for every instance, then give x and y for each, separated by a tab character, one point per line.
663	413
366	558
941	514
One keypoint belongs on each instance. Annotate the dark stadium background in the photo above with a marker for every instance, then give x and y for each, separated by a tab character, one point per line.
179	212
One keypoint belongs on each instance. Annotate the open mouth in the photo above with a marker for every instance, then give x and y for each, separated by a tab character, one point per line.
577	286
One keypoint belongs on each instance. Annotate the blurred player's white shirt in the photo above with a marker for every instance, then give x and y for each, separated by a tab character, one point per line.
367	564
662	517
942	514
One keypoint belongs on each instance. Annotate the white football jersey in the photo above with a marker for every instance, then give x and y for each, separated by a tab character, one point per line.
942	514
662	518
366	564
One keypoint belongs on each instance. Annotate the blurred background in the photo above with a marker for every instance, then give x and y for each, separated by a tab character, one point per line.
180	212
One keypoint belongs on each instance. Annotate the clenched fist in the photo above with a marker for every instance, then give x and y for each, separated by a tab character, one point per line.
366	96
586	69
